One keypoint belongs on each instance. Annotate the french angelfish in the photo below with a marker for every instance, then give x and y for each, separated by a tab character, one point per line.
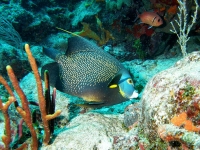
151	18
86	71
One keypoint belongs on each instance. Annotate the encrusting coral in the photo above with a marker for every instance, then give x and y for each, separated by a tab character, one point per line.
25	110
181	120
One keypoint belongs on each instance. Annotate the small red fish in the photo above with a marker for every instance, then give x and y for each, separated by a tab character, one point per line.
151	18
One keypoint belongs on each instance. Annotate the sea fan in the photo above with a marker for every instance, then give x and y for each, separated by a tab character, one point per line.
9	35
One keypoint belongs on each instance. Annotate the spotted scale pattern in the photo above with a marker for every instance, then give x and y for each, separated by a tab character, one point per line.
81	70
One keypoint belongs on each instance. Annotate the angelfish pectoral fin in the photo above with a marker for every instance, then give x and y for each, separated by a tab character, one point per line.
54	78
53	70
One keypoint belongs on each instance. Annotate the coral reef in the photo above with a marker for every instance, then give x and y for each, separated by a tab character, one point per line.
118	19
9	34
69	128
170	133
116	4
10	55
82	10
168	113
167	95
167	117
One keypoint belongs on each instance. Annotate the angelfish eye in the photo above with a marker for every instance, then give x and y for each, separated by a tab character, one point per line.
130	81
158	20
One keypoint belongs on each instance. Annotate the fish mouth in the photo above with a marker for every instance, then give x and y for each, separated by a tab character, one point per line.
134	95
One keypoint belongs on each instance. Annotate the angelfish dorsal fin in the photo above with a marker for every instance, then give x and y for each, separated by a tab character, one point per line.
78	44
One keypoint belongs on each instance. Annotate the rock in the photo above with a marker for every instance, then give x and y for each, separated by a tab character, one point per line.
173	134
88	131
169	93
131	114
11	56
128	141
